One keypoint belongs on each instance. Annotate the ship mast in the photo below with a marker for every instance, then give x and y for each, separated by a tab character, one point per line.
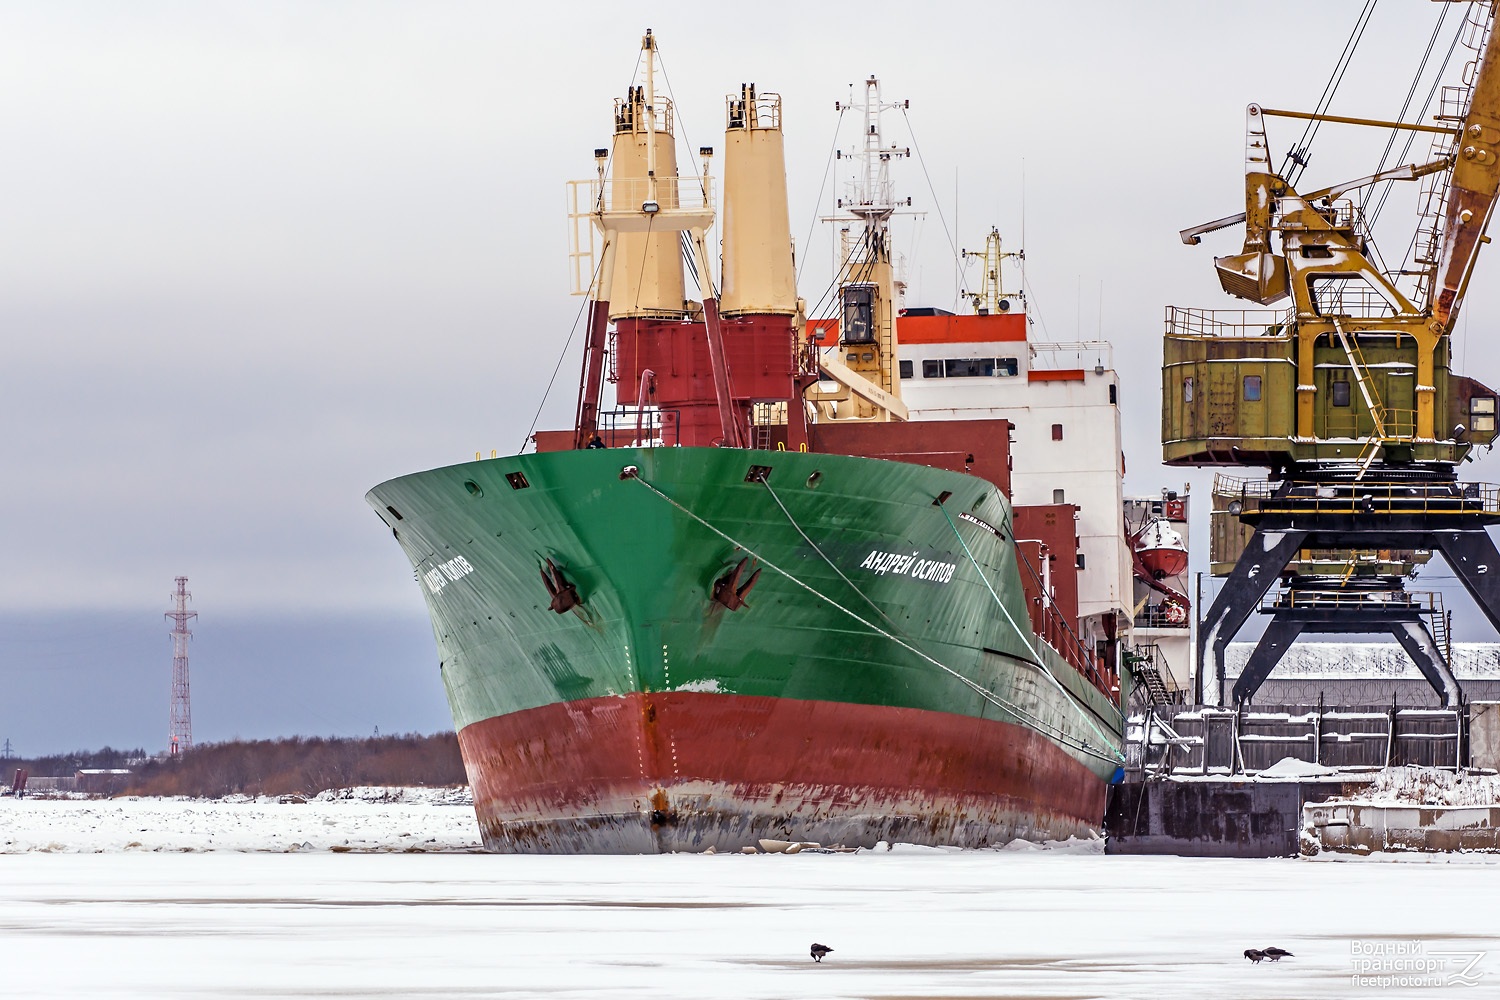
641	212
992	296
864	364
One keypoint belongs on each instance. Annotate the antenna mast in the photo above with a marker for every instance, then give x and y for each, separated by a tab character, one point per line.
180	732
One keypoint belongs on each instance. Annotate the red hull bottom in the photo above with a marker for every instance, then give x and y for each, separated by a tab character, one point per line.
687	771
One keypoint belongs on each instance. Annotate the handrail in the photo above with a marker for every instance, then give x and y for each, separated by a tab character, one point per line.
1232	323
1362	497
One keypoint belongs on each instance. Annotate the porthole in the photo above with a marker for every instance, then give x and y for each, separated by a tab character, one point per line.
473	488
814	479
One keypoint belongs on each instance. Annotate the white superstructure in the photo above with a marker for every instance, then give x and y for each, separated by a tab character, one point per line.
1063	403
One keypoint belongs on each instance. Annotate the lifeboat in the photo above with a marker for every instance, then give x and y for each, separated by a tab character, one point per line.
1161	549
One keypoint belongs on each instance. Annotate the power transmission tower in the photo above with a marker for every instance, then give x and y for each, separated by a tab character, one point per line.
180	734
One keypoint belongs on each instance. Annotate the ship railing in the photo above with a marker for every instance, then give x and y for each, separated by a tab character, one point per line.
640	427
631	115
763	111
629	194
1186	322
1157	616
1073	354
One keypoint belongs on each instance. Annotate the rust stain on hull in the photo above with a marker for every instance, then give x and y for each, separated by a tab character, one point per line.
687	771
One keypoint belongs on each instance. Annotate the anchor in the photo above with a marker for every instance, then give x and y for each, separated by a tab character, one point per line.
564	594
728	590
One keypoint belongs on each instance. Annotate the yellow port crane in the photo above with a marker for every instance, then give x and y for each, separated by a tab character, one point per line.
1345	393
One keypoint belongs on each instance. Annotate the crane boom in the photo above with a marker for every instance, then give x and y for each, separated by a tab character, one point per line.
1472	190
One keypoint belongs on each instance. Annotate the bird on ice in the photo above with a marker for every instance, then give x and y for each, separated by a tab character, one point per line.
1254	955
819	950
1276	954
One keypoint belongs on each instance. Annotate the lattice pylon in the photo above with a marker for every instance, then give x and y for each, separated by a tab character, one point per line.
180	728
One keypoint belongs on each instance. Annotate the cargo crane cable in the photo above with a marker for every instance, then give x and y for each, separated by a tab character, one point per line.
587	301
1411	246
680	120
1401	116
823	186
1021	716
1073	699
846	273
1296	157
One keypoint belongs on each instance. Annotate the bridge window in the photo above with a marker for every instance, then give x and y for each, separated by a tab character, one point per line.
969	367
932	369
1007	367
906	369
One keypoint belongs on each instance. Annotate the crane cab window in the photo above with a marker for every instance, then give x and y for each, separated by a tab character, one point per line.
1481	415
1252	388
1340	391
859	306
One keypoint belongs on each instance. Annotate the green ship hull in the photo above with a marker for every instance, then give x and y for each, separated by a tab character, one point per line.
876	680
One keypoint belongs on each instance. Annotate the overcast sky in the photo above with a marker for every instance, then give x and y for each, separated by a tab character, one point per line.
257	258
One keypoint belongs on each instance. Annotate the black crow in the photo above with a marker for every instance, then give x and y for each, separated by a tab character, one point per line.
1276	954
819	950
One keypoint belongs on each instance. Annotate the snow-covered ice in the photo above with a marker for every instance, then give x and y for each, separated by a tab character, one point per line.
903	923
360	819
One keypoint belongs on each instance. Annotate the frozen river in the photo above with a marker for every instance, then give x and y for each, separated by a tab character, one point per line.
257	899
908	923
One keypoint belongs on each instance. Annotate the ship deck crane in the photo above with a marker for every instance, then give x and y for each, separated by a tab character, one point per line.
1346	395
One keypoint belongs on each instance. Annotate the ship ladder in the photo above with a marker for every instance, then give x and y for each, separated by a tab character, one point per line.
1144	667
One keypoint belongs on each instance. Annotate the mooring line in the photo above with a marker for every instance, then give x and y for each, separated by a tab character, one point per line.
1021	715
1073	699
831	564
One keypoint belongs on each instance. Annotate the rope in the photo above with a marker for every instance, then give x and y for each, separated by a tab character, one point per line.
1020	633
831	564
1310	131
562	356
1022	716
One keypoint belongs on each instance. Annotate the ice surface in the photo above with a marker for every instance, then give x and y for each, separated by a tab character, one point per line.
909	922
404	820
903	924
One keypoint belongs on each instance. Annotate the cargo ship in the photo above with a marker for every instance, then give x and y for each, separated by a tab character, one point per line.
761	597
